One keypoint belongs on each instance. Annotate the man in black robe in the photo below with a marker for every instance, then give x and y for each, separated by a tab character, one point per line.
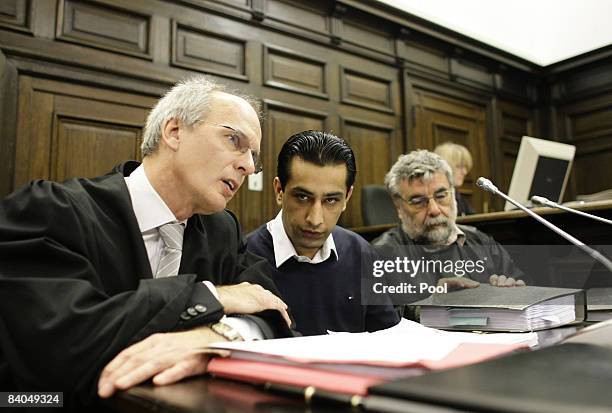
92	299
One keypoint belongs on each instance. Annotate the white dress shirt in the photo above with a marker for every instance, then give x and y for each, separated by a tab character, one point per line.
284	249
152	212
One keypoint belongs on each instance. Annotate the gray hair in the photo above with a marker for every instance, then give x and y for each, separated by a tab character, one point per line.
419	164
188	101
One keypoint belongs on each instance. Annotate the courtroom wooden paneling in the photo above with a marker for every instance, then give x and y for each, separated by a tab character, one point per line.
114	29
371	143
440	119
83	73
9	88
367	90
208	52
65	130
361	31
588	125
515	121
293	71
15	14
421	58
305	15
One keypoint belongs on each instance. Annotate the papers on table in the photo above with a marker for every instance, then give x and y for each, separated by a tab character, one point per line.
405	344
350	363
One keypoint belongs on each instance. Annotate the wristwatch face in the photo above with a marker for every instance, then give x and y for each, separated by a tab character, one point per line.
226	331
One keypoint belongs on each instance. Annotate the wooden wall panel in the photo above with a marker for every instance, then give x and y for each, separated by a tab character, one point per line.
590	80
66	131
14	14
365	35
417	54
299	14
515	122
208	52
243	3
588	125
292	71
108	28
440	119
329	63
86	148
371	143
467	72
366	90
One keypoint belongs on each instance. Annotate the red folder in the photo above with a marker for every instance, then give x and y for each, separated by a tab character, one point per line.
353	383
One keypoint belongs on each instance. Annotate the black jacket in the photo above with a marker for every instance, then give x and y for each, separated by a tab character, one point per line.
76	285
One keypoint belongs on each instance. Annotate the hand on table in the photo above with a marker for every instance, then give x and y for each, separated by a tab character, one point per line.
164	357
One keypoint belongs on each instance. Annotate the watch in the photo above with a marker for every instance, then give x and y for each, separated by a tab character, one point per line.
227	331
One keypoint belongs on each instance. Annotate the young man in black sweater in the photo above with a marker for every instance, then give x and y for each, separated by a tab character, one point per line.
317	264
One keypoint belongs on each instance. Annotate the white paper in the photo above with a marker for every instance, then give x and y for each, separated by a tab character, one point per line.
405	343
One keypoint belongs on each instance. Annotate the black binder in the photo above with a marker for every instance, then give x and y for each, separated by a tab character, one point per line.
501	309
575	376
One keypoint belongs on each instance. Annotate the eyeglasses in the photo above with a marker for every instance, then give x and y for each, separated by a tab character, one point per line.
240	143
419	203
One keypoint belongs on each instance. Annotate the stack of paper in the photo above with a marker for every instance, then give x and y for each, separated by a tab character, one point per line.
503	309
351	362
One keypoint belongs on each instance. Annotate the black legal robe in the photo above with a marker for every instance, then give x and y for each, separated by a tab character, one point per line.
76	285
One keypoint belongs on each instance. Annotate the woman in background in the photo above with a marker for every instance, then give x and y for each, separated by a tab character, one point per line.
460	160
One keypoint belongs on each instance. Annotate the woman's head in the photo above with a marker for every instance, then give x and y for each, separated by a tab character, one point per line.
459	159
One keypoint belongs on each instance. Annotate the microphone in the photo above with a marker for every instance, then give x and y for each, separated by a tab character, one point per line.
488	186
540	200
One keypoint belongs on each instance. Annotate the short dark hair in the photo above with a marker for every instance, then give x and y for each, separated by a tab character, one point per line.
319	148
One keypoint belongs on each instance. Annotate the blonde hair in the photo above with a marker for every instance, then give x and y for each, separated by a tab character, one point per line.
455	154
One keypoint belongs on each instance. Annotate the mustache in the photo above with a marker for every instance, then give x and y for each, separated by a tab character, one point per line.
435	221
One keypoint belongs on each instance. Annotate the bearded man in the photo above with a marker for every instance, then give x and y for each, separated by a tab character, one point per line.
420	185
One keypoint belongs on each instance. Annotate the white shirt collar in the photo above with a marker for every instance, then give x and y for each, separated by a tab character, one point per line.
150	209
284	249
457	235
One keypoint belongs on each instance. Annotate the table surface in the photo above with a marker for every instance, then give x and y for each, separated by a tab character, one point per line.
206	394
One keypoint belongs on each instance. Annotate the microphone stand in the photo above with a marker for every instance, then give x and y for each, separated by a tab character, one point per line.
540	200
488	186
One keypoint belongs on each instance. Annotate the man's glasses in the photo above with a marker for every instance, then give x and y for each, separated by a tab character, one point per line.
240	144
419	203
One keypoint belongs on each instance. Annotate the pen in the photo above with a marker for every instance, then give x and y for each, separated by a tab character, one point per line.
311	394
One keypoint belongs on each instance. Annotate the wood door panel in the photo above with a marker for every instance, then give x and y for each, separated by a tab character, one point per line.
588	125
66	131
372	144
441	119
91	149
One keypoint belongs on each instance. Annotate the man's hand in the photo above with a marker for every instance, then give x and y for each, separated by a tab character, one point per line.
165	357
247	298
503	281
458	283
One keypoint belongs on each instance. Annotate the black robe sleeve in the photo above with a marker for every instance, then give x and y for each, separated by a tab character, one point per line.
76	286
